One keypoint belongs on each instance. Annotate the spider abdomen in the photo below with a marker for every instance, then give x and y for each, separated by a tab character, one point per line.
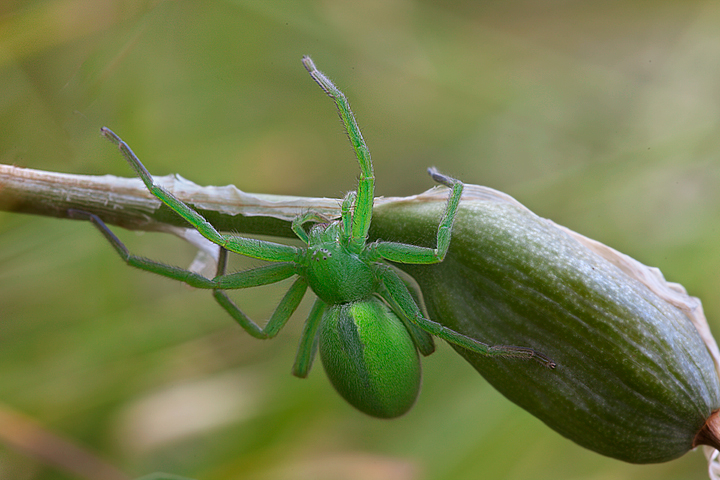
370	357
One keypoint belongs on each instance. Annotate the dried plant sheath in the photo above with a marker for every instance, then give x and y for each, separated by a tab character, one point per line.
634	379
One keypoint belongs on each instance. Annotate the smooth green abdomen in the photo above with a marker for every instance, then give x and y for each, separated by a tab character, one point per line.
370	358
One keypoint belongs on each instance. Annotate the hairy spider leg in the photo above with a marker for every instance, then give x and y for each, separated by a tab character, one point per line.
365	195
396	293
298	222
413	254
307	348
423	340
287	306
346	213
265	275
249	247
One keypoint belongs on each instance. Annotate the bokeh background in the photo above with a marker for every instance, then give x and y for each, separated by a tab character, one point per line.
603	116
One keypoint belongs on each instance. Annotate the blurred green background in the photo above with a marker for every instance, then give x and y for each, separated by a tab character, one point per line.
602	116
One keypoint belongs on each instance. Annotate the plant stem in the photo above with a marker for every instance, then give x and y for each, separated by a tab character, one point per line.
127	203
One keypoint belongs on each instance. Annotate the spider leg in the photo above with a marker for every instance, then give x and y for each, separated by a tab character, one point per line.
298	222
396	289
307	349
267	274
347	214
263	250
403	253
366	182
283	311
422	339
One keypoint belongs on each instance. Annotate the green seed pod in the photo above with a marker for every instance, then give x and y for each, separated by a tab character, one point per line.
635	377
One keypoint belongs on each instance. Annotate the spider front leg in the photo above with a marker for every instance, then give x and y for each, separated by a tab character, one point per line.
298	222
263	250
413	254
347	213
365	195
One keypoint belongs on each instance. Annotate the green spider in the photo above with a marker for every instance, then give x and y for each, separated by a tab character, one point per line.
365	321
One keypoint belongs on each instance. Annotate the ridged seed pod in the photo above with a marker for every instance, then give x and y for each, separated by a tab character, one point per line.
635	377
